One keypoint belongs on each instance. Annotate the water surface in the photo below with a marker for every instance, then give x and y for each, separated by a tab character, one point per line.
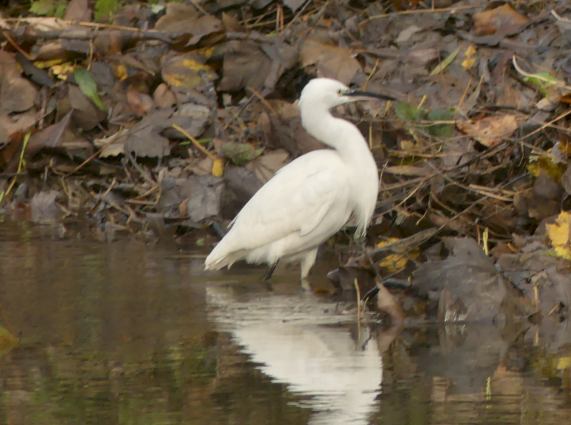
129	333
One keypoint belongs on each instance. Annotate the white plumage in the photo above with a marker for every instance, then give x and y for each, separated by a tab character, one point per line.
312	197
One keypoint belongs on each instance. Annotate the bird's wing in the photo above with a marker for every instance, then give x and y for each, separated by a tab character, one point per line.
296	199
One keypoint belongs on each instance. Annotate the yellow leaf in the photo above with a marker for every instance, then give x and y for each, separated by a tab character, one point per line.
121	72
564	362
537	165
63	70
48	64
560	235
469	57
394	263
218	167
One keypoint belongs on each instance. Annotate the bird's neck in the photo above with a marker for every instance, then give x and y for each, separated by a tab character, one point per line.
336	133
353	150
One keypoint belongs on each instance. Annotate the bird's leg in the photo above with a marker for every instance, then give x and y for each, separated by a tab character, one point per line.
307	262
270	271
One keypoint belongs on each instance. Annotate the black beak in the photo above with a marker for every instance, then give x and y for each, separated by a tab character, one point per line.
361	93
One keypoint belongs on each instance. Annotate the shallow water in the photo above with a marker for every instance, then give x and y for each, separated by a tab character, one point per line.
125	333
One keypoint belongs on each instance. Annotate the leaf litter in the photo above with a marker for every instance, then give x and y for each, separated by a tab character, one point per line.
142	117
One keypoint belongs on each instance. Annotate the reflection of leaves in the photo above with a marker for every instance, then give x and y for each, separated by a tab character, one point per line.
7	340
560	235
240	153
88	87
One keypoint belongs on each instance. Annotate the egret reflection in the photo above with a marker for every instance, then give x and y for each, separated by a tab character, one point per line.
307	346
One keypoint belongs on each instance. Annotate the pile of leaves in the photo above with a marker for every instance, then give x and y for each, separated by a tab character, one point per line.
151	118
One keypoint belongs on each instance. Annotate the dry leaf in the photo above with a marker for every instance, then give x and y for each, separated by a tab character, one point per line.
489	131
502	20
332	61
560	235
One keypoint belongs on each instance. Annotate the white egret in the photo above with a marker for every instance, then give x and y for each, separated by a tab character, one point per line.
312	197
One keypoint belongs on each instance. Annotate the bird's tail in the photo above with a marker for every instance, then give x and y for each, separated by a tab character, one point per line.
219	257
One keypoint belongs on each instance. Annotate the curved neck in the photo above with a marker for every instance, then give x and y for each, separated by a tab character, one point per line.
337	133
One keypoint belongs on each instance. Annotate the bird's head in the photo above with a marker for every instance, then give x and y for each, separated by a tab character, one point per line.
328	93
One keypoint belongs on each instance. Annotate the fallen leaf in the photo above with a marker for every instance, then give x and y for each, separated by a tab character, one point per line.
205	197
542	164
560	235
145	138
266	165
281	128
445	63
88	87
502	20
140	103
104	9
394	263
489	131
240	153
249	64
469	57
113	145
186	71
48	137
78	10
293	5
332	61
217	167
407	112
163	96
85	114
192	117
16	93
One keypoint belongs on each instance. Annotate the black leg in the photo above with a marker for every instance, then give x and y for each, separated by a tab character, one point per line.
270	271
370	294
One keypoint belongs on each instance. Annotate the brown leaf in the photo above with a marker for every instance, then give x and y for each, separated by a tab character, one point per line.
489	131
293	5
185	19
163	96
78	10
140	103
144	139
48	137
332	61
283	129
266	165
16	93
255	65
502	20
85	114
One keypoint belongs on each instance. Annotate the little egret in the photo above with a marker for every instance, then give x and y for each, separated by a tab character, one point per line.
312	197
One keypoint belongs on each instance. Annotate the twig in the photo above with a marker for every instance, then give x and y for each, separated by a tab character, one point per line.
419	11
195	142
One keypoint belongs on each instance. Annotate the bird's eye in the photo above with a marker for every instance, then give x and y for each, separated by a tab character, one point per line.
340	92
